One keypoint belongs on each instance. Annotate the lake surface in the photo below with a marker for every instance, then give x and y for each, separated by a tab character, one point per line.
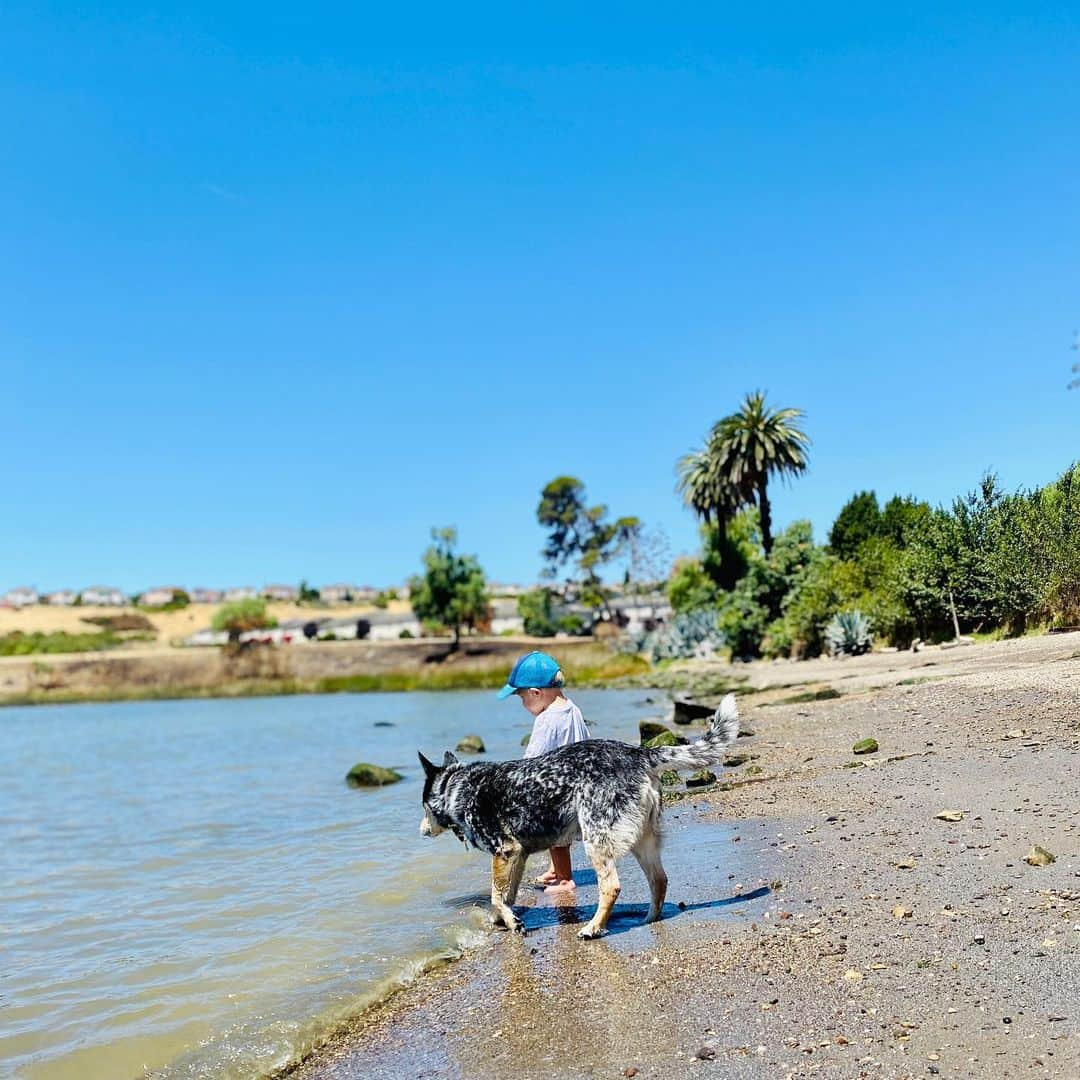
189	889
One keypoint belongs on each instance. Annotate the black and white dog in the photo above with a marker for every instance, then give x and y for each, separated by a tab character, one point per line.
603	792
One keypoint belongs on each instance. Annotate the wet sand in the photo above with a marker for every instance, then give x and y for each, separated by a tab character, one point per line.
834	925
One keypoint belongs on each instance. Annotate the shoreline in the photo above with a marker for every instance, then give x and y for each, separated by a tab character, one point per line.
316	668
890	943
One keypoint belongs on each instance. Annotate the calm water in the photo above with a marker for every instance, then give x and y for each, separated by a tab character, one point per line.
190	889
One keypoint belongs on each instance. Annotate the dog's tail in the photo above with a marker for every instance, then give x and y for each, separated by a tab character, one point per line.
723	731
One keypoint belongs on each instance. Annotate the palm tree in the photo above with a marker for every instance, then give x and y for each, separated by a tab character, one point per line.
705	489
749	446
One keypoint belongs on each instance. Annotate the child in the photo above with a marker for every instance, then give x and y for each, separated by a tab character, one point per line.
537	680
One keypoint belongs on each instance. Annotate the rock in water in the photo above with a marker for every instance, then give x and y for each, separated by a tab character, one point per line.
649	729
733	761
1039	856
701	778
686	712
471	744
669	778
865	746
364	775
665	738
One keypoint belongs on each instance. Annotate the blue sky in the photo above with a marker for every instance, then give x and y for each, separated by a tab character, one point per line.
284	288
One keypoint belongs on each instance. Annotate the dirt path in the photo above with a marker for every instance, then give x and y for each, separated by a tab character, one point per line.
834	925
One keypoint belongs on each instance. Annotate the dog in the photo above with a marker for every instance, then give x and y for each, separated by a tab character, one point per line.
603	792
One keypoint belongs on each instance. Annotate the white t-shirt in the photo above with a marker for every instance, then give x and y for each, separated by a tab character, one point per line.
560	724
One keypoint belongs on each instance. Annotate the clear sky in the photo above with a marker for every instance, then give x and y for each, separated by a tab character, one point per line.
282	288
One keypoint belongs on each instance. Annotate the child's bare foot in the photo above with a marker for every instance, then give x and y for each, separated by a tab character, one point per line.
564	885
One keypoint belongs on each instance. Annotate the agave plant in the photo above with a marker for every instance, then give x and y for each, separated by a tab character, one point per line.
848	634
692	633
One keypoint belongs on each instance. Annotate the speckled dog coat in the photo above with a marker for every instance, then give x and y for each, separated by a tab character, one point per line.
603	792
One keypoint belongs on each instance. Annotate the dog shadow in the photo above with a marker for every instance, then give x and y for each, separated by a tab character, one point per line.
623	917
626	917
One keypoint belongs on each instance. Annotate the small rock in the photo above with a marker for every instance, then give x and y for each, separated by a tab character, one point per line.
630	1072
649	729
1039	856
665	738
853	975
754	770
705	1053
950	815
733	761
525	739
669	778
364	775
686	712
383	723
904	864
901	912
865	746
701	778
471	744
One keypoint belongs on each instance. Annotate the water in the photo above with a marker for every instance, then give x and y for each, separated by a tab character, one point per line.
189	889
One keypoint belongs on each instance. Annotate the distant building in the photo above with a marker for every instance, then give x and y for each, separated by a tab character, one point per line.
282	593
206	596
244	592
21	597
338	594
498	588
61	598
159	597
103	596
364	594
505	618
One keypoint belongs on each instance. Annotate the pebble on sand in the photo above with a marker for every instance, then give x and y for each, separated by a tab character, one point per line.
471	744
1039	856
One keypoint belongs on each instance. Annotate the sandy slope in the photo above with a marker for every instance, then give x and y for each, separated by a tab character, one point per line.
894	944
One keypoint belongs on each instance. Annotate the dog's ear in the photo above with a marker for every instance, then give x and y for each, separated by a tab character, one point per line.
448	760
430	769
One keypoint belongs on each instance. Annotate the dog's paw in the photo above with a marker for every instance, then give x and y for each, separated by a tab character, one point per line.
591	933
514	923
518	927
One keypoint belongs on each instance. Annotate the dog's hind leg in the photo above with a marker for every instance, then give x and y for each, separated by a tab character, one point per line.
647	853
607	878
506	870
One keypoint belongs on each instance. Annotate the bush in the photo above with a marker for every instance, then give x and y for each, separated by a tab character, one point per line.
848	634
240	616
689	634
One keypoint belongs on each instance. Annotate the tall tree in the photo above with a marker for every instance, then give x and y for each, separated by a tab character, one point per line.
753	445
451	591
859	519
581	536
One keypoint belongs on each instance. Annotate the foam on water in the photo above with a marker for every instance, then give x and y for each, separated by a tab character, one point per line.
191	891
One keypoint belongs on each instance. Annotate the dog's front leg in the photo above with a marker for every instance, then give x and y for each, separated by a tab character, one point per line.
506	869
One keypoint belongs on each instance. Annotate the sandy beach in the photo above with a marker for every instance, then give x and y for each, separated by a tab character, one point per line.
834	924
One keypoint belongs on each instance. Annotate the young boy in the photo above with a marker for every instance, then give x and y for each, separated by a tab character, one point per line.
538	681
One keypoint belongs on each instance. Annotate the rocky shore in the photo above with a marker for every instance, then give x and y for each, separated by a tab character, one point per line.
834	914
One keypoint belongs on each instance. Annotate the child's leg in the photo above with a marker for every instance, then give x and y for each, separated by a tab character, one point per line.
562	870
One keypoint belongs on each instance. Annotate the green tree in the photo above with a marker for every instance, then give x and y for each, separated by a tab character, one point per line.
306	594
581	537
452	590
859	519
240	616
904	519
752	445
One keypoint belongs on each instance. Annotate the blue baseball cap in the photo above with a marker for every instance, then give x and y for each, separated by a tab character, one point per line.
535	669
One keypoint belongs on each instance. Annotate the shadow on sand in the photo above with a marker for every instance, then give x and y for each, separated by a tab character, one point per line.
623	916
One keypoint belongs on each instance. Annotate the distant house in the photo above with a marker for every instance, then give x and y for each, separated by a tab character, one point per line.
206	596
364	594
103	596
505	618
282	593
337	594
21	597
375	626
244	592
61	598
159	597
498	588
